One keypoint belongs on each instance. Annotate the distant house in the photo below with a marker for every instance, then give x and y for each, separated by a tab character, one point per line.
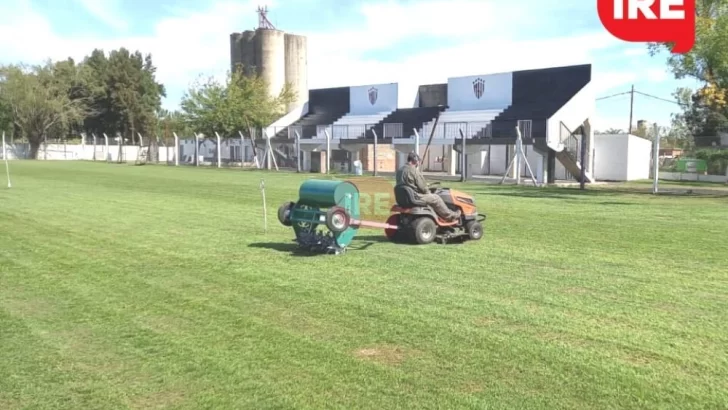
670	152
723	139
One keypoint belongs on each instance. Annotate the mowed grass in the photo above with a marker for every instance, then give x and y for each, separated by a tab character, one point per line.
156	287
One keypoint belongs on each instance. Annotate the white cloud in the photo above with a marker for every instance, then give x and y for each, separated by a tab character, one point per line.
605	122
187	44
107	11
635	51
182	46
657	75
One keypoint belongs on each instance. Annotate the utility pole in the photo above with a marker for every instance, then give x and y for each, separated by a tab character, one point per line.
631	109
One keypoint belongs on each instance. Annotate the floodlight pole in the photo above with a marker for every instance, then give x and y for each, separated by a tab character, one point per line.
417	141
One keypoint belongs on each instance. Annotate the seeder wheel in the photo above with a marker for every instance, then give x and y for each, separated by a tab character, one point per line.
337	219
284	213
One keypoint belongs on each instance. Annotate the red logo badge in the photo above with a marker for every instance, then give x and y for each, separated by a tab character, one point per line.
663	21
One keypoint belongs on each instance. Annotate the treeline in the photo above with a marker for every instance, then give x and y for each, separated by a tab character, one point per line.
704	111
118	94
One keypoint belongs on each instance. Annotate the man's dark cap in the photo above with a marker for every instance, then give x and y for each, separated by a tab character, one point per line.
412	157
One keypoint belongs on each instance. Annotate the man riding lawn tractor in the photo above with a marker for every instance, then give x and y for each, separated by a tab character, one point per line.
411	176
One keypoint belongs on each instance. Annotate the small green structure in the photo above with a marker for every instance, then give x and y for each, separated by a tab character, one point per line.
691	165
332	203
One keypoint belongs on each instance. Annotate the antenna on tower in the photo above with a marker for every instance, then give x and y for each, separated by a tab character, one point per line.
263	21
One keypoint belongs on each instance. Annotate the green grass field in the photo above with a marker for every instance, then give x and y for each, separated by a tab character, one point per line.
156	287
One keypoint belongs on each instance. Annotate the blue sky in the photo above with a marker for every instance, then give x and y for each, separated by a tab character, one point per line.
354	42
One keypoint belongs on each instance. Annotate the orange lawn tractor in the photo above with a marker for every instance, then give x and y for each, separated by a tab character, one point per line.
414	221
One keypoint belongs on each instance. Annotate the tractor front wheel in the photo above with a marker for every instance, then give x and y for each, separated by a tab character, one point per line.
424	230
474	230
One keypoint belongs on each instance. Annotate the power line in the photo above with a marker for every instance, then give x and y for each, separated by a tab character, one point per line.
645	94
661	99
613	95
631	101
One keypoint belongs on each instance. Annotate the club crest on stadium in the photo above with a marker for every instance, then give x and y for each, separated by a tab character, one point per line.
478	87
373	93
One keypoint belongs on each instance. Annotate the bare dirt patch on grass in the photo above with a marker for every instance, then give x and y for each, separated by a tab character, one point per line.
385	354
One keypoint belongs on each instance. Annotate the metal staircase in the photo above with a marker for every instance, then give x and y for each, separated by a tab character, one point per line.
569	152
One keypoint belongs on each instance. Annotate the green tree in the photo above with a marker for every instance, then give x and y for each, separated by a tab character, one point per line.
169	122
683	124
135	96
6	118
40	102
240	103
609	131
707	63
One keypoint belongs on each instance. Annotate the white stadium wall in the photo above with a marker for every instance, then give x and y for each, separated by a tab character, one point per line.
407	94
480	92
572	114
621	157
639	158
611	161
294	115
373	98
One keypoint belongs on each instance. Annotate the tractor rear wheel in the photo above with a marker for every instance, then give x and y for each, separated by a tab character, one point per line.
424	230
395	235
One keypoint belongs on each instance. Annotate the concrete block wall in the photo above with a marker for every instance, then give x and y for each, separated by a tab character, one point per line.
386	158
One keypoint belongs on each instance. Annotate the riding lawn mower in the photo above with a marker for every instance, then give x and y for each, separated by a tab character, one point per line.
413	220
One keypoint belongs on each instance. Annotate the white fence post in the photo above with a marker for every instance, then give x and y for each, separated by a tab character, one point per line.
106	151
176	149
93	135
197	150
219	164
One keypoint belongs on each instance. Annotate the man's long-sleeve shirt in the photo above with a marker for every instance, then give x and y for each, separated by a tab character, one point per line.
410	175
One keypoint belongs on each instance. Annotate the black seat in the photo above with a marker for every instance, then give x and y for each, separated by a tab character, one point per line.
406	197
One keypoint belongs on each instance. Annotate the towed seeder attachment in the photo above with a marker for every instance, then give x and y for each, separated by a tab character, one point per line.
334	204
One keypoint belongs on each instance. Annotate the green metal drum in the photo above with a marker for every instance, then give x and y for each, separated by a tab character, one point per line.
318	200
325	193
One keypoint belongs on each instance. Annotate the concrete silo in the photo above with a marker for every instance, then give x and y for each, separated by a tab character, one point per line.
297	67
276	56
